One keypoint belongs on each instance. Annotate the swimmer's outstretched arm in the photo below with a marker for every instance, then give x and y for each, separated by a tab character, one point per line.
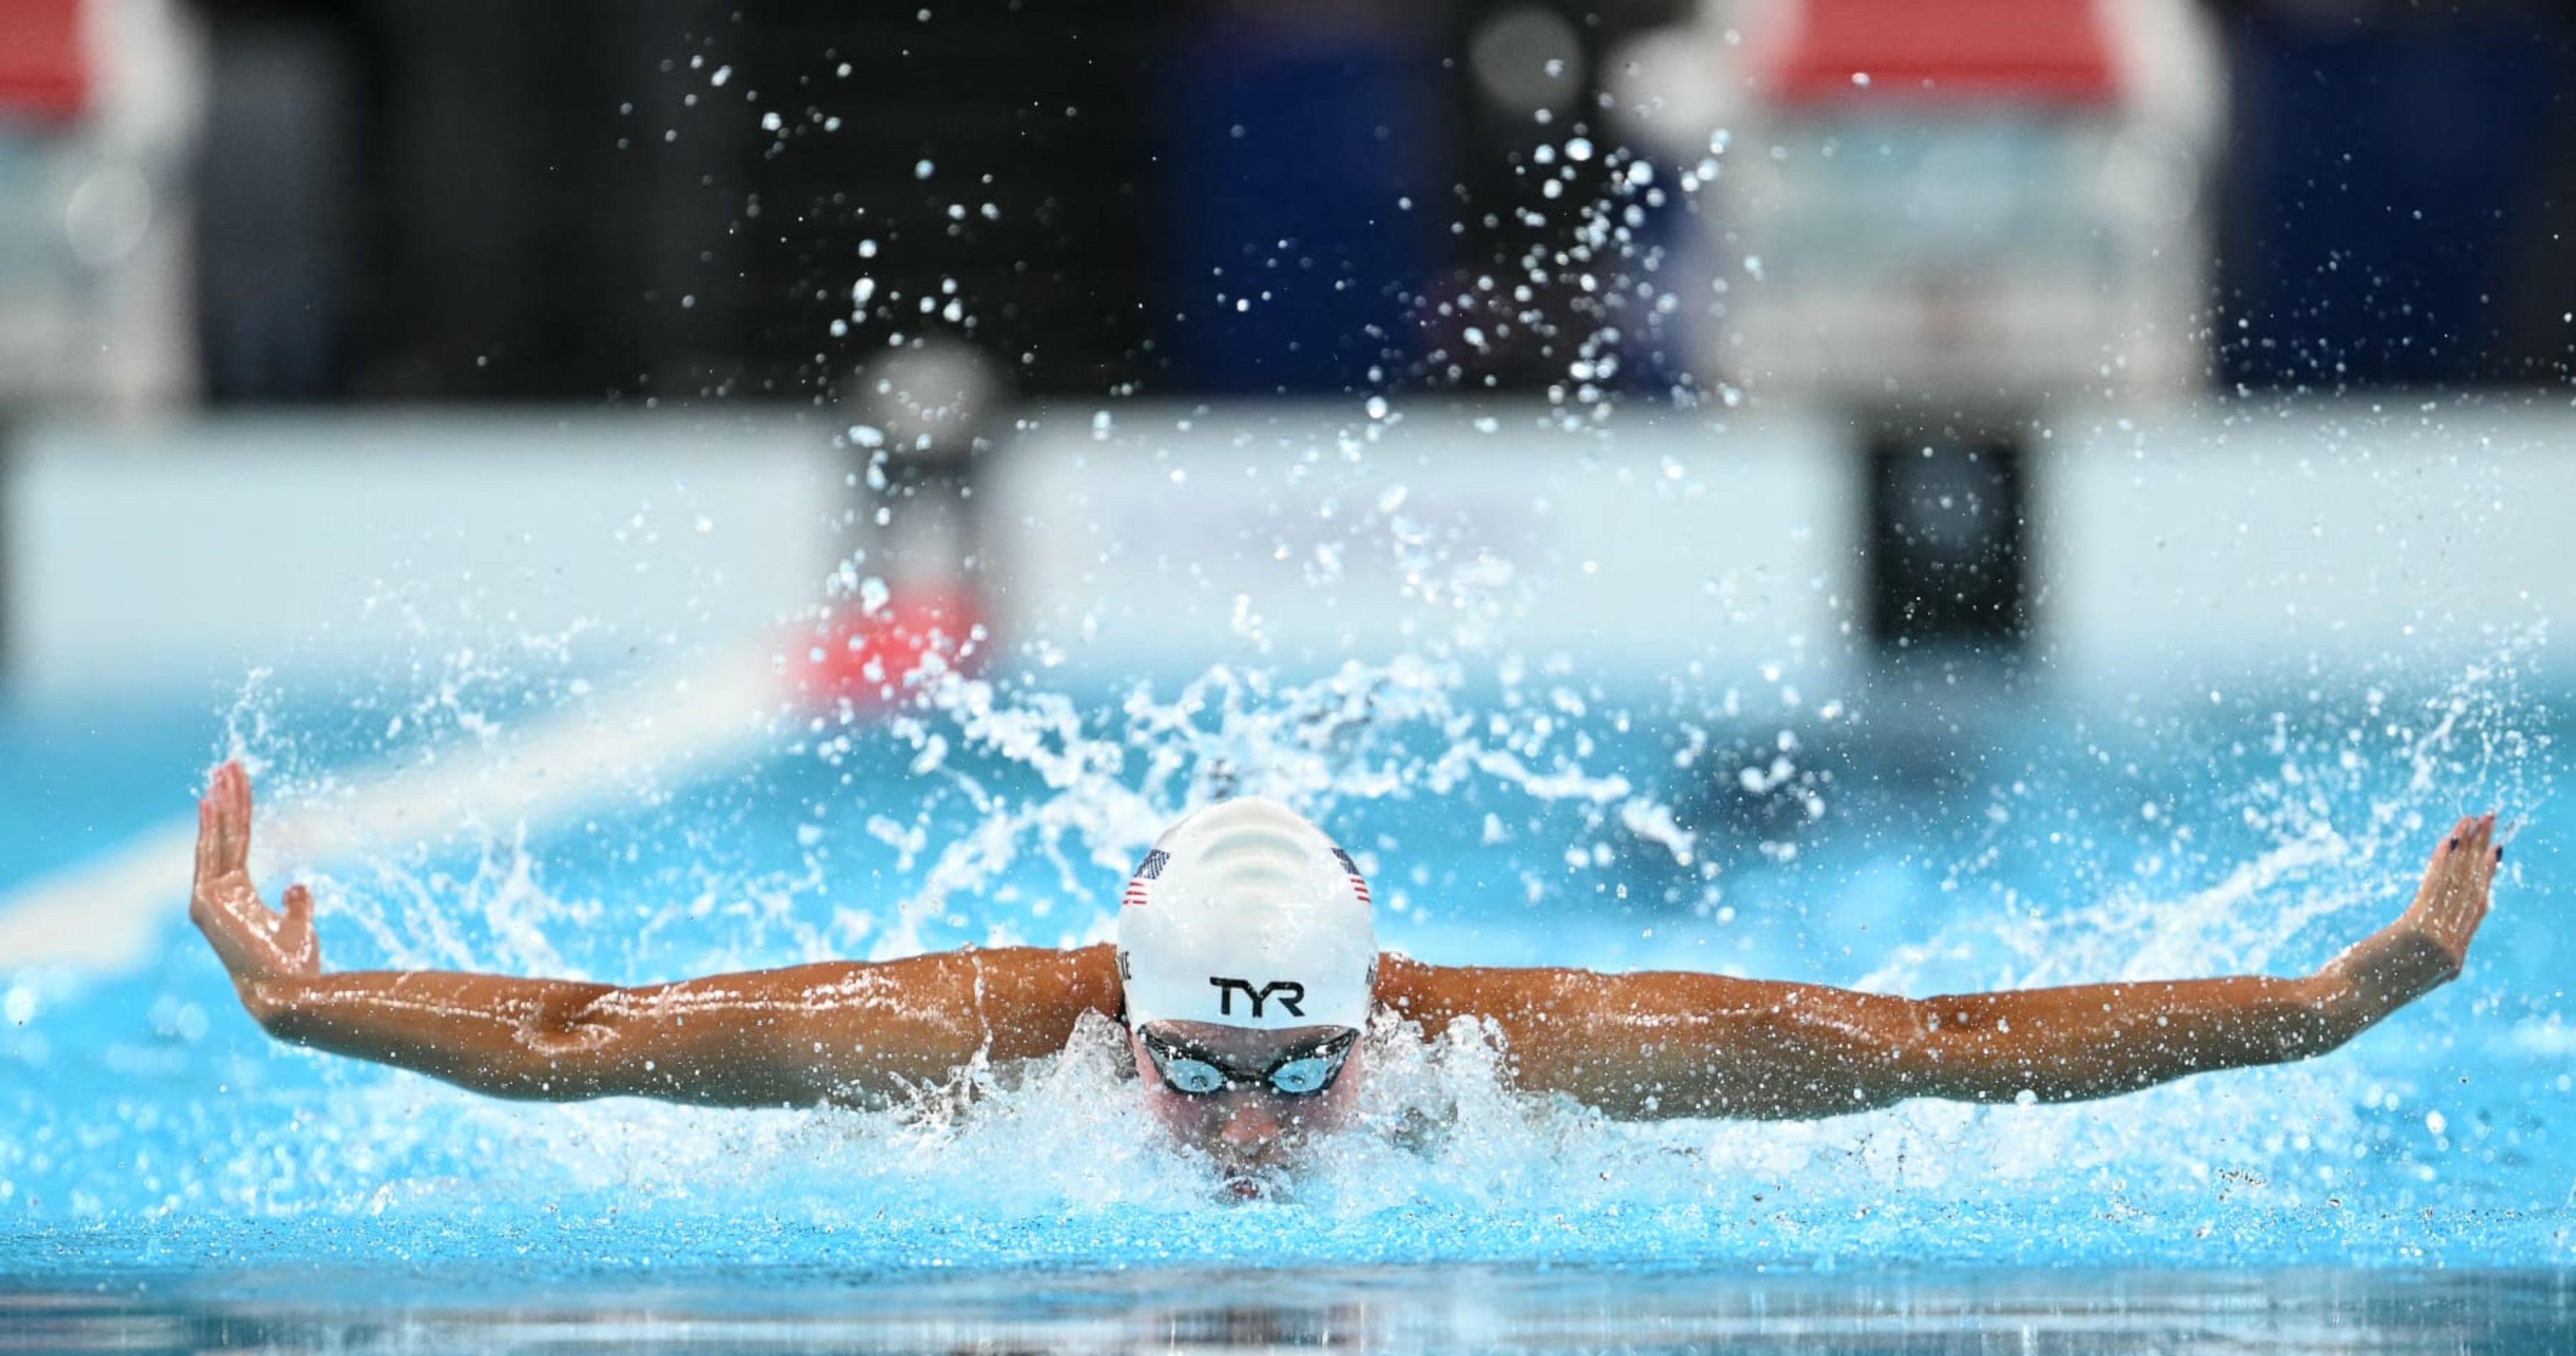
1668	1044
831	1032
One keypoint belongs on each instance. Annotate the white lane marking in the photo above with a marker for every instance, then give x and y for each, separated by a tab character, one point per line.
105	915
101	915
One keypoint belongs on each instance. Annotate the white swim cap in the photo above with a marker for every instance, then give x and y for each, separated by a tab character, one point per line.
1244	914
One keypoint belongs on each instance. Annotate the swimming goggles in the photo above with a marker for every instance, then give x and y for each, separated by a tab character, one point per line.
1298	1073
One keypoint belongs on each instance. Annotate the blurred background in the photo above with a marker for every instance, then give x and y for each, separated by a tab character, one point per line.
235	203
1913	253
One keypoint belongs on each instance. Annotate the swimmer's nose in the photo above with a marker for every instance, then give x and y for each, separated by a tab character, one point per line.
1251	1127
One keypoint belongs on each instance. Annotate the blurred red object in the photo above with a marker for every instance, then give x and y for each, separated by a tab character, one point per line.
873	659
44	60
2050	51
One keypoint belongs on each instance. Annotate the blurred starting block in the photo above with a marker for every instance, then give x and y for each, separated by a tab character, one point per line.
44	60
1940	219
97	106
873	657
1974	204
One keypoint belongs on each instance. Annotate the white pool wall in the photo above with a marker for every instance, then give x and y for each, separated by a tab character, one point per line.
1302	535
1164	537
139	557
2262	538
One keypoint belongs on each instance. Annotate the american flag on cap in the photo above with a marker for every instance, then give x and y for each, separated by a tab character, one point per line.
1353	868
1149	869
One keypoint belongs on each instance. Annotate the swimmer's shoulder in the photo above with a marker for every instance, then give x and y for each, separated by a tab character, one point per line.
1034	996
1435	995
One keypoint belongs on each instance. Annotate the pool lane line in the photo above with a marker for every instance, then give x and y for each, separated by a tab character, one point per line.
106	914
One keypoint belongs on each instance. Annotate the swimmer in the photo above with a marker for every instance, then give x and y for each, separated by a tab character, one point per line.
1246	972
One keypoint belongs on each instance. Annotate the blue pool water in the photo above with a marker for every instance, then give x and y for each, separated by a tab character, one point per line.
164	1169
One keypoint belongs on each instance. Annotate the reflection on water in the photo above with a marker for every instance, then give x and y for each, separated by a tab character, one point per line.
1386	1309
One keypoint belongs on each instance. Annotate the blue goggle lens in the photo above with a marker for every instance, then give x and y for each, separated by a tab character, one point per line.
1299	1077
1196	1077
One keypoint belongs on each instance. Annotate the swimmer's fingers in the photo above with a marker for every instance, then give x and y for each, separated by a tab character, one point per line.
2444	867
2462	863
209	851
2441	880
223	826
236	783
2455	906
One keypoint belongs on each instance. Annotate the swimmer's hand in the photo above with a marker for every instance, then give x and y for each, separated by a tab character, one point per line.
255	942
2425	948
